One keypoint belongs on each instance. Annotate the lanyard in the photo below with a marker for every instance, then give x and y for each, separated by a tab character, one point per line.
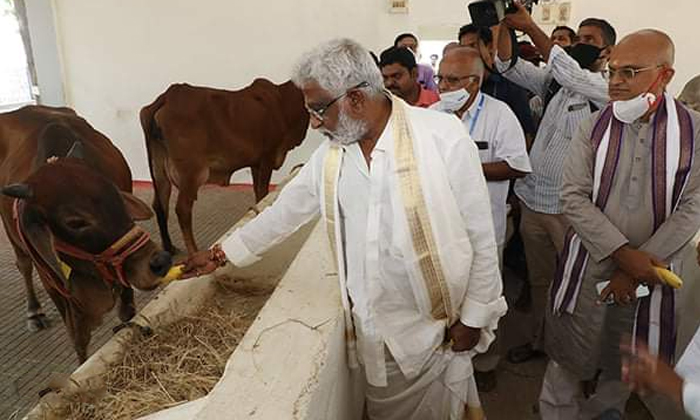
476	115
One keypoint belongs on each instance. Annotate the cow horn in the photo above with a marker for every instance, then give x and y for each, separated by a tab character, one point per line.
76	151
23	191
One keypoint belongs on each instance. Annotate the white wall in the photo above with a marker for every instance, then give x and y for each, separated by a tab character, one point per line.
678	18
118	55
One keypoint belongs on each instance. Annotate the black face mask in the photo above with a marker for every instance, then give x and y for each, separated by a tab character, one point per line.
584	54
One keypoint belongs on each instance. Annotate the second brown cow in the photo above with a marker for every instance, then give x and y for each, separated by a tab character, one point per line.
197	135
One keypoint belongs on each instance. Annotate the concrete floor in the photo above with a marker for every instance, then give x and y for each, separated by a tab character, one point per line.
28	361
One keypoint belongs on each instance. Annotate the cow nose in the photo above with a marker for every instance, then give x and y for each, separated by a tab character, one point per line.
161	263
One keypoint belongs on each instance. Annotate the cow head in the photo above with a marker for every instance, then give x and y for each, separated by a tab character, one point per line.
67	201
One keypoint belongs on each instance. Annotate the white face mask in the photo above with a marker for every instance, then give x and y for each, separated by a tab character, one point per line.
631	110
455	100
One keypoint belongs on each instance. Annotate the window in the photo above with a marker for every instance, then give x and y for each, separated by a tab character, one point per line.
15	73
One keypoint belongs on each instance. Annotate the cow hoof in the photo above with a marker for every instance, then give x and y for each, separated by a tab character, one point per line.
121	327
37	322
45	391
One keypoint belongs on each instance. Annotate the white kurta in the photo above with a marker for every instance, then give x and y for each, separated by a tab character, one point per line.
388	306
492	123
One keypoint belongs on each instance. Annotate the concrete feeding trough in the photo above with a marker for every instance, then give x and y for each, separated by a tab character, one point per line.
289	364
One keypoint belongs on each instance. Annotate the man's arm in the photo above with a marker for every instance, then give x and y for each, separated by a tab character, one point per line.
568	73
296	205
522	21
510	152
683	223
484	301
524	73
500	171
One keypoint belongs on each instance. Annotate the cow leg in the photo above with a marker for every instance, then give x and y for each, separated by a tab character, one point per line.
162	188
78	324
36	320
261	180
127	309
183	208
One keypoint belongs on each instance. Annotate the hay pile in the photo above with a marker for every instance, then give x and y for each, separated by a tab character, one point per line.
178	363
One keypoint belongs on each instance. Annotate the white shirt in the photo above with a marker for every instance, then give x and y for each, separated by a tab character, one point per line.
689	369
385	308
500	138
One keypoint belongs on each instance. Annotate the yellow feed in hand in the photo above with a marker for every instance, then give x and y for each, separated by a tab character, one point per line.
669	277
174	273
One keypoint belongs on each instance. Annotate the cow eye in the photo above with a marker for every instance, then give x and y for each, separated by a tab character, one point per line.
77	223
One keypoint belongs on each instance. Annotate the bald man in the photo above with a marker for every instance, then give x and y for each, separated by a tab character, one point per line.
501	143
631	192
690	95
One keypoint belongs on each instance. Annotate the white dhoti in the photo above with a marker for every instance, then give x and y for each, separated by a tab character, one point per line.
445	389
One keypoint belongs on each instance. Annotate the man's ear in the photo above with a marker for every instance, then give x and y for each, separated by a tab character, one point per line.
414	72
357	100
668	75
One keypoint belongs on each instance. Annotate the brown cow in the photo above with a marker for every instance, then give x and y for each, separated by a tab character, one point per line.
197	135
68	210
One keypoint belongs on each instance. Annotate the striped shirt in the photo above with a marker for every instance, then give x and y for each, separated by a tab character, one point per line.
540	189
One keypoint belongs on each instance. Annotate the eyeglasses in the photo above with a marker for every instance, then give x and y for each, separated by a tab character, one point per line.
319	112
627	73
453	81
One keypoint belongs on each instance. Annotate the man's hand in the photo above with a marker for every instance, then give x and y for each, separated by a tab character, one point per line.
622	287
198	264
644	372
520	20
464	338
639	264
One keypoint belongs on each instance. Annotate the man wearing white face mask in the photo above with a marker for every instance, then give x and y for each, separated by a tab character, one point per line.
490	123
502	150
631	192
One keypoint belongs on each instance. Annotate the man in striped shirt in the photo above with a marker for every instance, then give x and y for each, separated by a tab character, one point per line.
572	88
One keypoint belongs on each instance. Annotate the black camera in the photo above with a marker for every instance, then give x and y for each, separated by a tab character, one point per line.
488	13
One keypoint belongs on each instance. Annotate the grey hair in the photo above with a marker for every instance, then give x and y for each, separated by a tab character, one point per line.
338	65
468	54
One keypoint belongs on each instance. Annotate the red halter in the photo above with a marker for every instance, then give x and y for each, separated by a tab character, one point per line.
110	262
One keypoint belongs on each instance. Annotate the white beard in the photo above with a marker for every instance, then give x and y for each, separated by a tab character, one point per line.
348	130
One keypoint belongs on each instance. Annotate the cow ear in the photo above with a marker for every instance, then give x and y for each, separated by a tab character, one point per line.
22	191
39	237
76	151
137	209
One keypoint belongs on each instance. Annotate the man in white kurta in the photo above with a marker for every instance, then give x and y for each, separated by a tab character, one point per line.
417	363
501	142
490	123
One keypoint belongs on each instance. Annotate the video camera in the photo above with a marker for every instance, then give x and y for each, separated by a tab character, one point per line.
488	13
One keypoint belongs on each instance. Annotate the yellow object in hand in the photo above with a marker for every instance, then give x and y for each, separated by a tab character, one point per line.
669	277
173	274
